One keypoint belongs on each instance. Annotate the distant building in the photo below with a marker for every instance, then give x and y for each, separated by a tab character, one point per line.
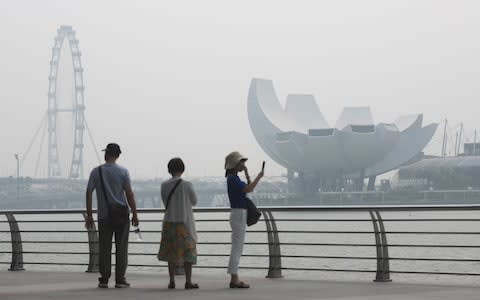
319	156
461	172
472	149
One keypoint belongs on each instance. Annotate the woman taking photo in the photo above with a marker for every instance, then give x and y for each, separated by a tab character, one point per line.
237	190
179	237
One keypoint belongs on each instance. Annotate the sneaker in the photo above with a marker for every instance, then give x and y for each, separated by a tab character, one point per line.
122	285
103	285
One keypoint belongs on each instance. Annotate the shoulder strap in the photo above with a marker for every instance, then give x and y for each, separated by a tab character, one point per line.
102	182
171	193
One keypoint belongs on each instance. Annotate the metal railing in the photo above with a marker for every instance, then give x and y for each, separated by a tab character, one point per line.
285	231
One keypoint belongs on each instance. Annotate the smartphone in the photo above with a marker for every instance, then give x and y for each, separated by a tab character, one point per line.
263	166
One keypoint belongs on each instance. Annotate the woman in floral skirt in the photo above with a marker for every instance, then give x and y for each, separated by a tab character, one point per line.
179	238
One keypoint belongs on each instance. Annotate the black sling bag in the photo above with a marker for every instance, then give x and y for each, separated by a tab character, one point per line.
171	194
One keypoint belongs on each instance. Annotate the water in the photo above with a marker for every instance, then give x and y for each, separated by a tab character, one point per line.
152	222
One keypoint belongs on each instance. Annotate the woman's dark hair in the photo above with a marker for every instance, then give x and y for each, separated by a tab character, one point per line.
176	165
229	172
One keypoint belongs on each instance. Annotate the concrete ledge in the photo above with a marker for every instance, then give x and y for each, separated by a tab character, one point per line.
71	286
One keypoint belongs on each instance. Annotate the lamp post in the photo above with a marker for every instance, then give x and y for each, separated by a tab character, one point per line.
18	176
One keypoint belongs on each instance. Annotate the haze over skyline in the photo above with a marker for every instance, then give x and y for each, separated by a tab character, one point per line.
167	79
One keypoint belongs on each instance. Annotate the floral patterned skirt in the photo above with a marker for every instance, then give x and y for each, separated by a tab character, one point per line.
177	245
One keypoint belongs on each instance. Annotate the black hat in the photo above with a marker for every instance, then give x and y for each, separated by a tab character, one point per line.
112	148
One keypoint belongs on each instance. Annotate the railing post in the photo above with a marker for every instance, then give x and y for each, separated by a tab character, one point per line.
383	260
386	257
93	248
275	257
17	249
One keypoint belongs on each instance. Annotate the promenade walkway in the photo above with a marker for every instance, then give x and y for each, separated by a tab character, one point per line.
72	286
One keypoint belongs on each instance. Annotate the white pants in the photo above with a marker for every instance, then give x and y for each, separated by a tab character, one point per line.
238	222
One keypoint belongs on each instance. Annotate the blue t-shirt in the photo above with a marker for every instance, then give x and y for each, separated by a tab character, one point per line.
238	199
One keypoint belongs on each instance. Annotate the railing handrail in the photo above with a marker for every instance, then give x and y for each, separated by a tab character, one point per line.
436	207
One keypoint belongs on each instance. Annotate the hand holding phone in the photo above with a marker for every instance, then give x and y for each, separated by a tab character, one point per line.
262	171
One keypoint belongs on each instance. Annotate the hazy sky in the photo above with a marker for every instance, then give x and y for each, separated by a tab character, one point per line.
170	78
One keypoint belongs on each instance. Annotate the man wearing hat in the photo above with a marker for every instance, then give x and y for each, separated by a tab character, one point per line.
237	194
114	196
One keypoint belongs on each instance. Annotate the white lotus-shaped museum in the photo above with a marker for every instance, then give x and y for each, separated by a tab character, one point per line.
299	138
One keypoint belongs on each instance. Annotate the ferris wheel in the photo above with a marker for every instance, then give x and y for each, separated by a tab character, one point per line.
66	34
58	165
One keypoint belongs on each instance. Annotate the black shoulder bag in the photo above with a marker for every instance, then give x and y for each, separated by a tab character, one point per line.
253	214
117	213
171	194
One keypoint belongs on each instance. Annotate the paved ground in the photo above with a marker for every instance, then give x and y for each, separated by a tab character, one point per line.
71	286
